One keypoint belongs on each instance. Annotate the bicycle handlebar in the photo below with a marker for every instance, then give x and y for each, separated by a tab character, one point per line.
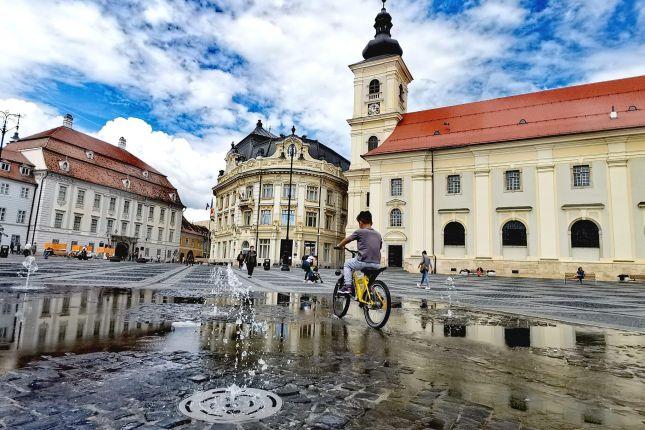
351	251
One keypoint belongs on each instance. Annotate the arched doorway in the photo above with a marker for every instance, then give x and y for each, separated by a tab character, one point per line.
454	240
585	240
121	250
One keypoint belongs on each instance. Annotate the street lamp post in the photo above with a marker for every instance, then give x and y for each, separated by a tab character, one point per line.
289	250
6	115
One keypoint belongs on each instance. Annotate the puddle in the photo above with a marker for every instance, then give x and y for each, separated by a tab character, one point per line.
546	374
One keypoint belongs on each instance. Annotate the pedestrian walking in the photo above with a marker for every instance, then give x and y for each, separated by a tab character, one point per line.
251	260
11	247
424	267
240	259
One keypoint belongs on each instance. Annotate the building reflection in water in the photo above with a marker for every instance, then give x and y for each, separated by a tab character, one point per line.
32	324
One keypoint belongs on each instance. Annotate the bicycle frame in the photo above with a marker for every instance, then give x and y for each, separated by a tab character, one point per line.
362	286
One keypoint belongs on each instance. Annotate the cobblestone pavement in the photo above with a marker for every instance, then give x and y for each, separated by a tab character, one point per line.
119	345
604	304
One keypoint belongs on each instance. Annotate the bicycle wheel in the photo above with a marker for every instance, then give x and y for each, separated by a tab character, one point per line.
377	314
340	302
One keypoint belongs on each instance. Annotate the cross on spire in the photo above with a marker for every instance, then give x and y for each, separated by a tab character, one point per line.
383	4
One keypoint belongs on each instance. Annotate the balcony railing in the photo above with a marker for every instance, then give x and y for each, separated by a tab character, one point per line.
374	96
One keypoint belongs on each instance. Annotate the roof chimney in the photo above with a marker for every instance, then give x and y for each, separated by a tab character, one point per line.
122	142
68	121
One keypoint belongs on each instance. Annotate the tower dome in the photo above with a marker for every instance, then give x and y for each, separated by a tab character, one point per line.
382	44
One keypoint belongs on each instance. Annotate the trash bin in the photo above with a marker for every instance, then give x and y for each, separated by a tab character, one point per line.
4	251
266	264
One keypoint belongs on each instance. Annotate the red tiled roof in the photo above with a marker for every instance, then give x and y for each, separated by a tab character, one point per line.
570	110
109	166
189	228
16	160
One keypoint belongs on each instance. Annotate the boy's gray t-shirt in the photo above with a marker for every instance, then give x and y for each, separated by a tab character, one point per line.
369	244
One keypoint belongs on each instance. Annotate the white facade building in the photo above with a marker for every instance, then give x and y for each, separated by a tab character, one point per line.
95	194
17	191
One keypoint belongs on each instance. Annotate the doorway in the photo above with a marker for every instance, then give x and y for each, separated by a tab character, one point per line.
121	250
395	255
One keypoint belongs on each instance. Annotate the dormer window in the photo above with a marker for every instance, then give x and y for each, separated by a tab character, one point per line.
173	196
89	155
64	165
5	166
375	86
145	173
126	183
25	170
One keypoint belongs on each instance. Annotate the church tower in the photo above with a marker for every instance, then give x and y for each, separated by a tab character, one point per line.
380	98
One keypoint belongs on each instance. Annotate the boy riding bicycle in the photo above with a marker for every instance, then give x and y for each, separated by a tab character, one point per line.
369	244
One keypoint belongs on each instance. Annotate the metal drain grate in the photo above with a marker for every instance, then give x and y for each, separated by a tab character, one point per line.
215	406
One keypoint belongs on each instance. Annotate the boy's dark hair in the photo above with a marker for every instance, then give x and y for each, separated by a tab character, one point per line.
424	252
365	217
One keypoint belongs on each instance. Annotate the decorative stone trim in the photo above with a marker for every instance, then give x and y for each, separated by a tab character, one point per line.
583	206
514	209
457	210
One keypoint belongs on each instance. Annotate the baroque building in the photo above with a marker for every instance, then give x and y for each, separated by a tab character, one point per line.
528	185
193	242
251	199
94	194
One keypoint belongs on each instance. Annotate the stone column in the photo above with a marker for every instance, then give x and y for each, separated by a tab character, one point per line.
377	204
415	218
620	211
547	219
482	214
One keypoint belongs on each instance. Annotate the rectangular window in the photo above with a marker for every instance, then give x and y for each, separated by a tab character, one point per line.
330	197
137	230
312	193
25	171
24	192
77	222
264	248
267	191
513	180
158	252
453	183
80	198
329	222
139	210
58	219
124	228
20	218
97	202
249	193
126	207
162	215
326	252
247	217
110	226
171	235
285	191
149	232
312	219
112	206
285	214
147	252
151	213
226	201
581	176
3	213
160	234
94	226
4	189
5	166
172	217
265	217
396	187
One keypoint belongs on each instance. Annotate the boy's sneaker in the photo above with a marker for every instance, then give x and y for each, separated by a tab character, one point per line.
346	290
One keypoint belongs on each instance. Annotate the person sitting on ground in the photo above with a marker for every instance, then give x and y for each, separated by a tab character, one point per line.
580	274
480	271
369	243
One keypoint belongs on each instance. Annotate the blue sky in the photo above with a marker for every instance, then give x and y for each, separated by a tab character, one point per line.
182	79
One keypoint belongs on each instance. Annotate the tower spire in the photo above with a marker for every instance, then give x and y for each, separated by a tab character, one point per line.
382	44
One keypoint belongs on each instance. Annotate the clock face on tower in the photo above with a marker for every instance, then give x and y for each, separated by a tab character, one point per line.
373	109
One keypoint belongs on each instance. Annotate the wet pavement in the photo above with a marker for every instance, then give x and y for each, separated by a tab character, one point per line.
91	357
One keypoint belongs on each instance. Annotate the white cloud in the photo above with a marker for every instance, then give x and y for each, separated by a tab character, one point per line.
35	117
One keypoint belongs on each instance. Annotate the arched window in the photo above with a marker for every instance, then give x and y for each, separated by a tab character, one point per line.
396	218
514	234
584	234
375	86
372	143
454	234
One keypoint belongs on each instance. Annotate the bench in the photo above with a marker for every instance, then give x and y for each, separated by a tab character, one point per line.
573	277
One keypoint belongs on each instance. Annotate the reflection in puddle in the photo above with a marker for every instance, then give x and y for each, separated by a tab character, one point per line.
544	373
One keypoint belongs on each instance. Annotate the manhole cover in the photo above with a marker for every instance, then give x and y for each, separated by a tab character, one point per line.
216	406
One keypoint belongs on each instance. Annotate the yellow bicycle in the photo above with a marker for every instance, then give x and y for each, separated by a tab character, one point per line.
372	295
